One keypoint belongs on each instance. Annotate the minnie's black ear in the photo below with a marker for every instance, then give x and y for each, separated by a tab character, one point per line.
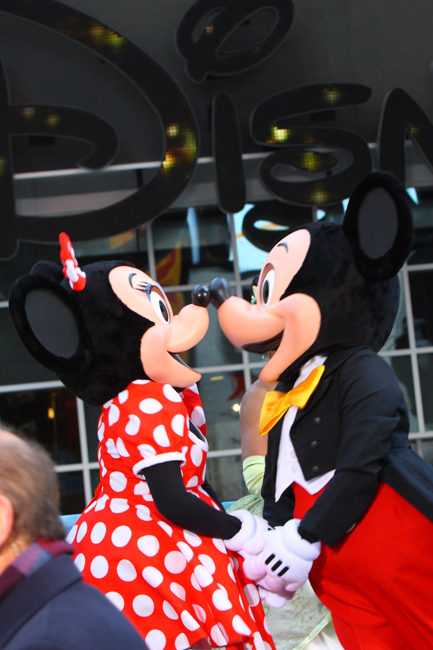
48	321
378	225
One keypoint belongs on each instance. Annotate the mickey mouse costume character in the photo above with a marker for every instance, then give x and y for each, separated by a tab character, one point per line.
152	537
351	502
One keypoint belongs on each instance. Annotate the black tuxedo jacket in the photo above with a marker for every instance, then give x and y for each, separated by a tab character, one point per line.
53	609
356	423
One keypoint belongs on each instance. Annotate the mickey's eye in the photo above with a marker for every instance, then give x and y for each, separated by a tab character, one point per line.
160	306
267	286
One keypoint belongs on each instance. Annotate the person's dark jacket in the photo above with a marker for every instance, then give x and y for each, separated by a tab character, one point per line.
356	423
53	609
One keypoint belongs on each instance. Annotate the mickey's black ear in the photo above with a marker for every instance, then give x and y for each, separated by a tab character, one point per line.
378	224
49	323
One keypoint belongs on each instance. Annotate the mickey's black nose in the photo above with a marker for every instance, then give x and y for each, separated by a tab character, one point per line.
200	296
219	291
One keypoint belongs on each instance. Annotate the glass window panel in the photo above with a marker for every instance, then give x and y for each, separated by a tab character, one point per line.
17	366
422	249
403	370
94	479
259	226
71	492
191	240
48	416
421	291
225	476
425	365
427	450
399	339
221	396
91	414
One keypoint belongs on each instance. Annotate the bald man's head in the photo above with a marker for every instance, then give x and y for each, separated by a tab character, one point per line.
29	482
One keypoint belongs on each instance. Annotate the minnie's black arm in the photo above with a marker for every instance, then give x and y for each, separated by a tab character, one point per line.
184	509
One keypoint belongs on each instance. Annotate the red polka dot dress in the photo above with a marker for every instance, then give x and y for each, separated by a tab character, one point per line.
175	586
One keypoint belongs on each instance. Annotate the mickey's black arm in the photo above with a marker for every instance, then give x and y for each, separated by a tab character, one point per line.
184	509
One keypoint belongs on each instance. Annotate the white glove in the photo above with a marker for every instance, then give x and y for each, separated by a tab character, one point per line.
251	528
286	559
275	599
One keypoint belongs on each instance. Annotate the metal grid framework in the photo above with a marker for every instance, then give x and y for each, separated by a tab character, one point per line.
237	285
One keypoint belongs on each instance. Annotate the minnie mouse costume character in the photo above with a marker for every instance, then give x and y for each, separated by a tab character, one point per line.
152	537
351	502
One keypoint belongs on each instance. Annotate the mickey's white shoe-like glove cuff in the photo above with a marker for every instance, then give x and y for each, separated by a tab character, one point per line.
251	526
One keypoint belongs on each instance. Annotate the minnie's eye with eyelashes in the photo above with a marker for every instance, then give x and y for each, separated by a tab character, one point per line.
160	307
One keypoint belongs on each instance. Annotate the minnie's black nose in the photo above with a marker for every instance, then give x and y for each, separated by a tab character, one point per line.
200	296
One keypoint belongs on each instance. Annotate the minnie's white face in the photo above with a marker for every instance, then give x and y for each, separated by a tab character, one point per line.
171	335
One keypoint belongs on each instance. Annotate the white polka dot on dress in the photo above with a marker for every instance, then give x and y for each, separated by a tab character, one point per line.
171	394
219	544
175	562
123	396
101	430
165	527
101	503
146	451
189	621
178	424
169	611
192	538
148	545
118	505
156	640
113	415
220	601
240	626
200	613
120	446
121	536
133	426
252	594
150	406
143	606
116	599
207	562
80	562
197	416
118	481
186	550
152	576
143	512
217	636
160	436
196	455
98	533
71	535
181	642
111	448
99	567
178	590
126	571
203	576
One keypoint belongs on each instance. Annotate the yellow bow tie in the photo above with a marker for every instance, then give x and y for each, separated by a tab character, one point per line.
277	403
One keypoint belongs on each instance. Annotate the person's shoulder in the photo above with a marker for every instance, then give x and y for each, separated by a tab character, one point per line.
86	620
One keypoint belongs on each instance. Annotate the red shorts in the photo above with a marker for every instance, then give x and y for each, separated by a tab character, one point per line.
378	580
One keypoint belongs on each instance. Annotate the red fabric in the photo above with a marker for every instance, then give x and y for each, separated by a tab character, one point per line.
174	586
377	581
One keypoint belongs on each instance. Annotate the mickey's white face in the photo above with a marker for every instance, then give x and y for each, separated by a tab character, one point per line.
170	335
287	326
